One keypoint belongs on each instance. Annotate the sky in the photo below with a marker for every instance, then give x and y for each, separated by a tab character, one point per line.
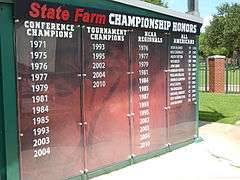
207	8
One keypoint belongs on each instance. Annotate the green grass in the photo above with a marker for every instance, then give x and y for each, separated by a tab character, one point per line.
222	108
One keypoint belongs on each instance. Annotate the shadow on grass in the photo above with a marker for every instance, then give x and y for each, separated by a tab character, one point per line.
211	116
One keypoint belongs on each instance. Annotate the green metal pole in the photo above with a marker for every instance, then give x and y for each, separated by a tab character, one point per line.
2	141
9	108
198	139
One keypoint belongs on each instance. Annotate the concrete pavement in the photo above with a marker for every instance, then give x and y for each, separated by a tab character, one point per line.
217	157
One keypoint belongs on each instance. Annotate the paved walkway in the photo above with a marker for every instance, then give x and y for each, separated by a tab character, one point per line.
223	141
216	158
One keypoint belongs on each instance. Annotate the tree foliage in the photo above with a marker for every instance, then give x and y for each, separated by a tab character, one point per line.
158	2
223	35
206	50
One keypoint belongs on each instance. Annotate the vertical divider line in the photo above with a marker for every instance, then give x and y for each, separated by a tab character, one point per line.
2	140
130	95
82	91
197	123
168	36
18	100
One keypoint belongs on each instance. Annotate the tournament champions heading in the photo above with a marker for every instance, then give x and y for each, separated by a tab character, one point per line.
42	11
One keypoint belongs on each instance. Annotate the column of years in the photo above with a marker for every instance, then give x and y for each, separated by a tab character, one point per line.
99	65
40	98
144	96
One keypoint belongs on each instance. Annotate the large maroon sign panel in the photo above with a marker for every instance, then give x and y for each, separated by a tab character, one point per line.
149	86
49	105
96	88
106	95
182	87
